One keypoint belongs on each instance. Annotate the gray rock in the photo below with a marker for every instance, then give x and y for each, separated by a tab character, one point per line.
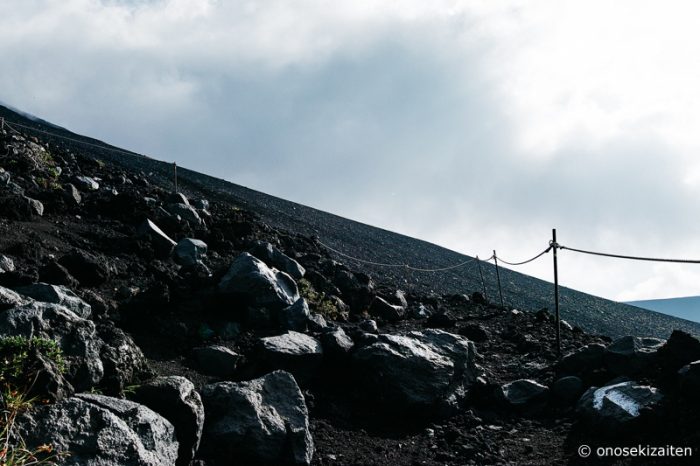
122	359
263	286
176	399
58	295
631	355
317	322
583	361
568	390
76	336
5	178
336	342
190	251
101	431
162	242
612	407
178	198
475	332
369	326
421	312
201	204
295	317
6	264
523	392
10	299
294	352
87	183
230	330
381	308
273	257
72	195
35	207
689	380
150	201
260	421
186	212
429	371
216	360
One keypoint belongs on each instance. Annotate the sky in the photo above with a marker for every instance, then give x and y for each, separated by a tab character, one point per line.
476	125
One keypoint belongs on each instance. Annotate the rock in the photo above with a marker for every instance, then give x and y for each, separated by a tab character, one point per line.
336	342
294	352
382	309
295	317
58	295
10	299
176	399
398	298
5	178
369	326
201	204
89	269
49	383
261	285
230	330
76	336
216	360
631	355
316	322
72	195
421	312
177	198
56	274
162	243
6	264
441	319
273	257
122	359
150	202
523	393
478	298
429	371
189	251
86	183
34	207
260	421
680	349
612	407
186	212
567	390
357	289
689	380
475	332
583	361
99	430
515	313
566	326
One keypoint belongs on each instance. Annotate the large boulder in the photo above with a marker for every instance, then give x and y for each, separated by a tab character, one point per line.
176	399
260	285
428	372
689	381
583	362
631	355
76	336
613	407
6	264
162	243
260	421
680	349
58	295
336	342
523	393
567	390
10	299
273	257
186	212
295	352
101	431
390	312
295	317
123	360
190	251
216	360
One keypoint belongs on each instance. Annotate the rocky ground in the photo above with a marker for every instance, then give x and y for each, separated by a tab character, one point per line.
194	332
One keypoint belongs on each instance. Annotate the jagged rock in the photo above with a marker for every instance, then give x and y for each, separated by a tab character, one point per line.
612	407
186	212
87	183
76	336
478	298
689	380
35	207
122	359
5	178
89	269
382	309
99	430
216	360
261	285
631	355
72	195
295	317
201	204
57	295
260	421
475	332
150	201
357	289
230	330
566	326
177	198
369	326
189	251
523	393
680	349
583	361
294	352
161	242
336	342
6	264
317	322
428	371
10	299
441	319
273	257
56	274
421	312
176	399
49	383
568	390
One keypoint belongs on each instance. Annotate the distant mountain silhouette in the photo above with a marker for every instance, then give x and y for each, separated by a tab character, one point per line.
687	307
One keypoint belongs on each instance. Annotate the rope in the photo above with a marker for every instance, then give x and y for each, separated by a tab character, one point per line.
529	260
66	138
620	256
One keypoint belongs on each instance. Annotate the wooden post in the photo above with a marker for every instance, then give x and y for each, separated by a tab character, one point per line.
175	172
498	277
556	291
483	283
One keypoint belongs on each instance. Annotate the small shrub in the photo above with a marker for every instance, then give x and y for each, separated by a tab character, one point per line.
306	290
18	367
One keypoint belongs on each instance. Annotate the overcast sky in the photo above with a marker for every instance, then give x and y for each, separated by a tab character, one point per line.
477	125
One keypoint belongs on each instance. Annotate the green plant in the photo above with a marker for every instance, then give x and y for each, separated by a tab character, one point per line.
307	291
327	308
18	364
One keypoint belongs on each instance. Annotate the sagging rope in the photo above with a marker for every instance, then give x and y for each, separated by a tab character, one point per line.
620	256
529	260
